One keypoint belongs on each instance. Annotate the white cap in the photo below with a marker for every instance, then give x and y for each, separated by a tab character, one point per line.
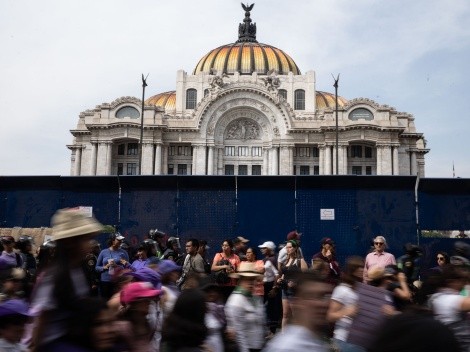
268	244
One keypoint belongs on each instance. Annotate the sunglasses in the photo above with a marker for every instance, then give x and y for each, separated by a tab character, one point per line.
378	243
440	258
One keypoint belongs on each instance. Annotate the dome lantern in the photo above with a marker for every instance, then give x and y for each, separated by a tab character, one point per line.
247	30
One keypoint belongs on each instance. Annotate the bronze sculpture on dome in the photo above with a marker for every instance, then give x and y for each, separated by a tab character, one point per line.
247	30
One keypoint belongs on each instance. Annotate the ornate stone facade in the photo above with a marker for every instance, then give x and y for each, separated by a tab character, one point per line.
222	120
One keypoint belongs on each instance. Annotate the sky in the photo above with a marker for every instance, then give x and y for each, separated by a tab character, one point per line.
59	58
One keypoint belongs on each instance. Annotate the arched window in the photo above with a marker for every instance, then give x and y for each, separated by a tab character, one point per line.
282	93
361	113
191	98
127	111
299	99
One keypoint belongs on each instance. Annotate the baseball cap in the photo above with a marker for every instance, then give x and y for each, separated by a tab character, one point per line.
268	244
14	306
146	274
241	239
167	266
136	290
293	235
327	240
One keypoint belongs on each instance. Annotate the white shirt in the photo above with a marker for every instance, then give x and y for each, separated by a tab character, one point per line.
345	295
270	271
296	338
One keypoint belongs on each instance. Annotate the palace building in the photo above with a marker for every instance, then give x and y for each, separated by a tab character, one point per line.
246	109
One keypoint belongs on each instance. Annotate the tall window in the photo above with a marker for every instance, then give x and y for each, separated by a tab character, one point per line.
132	149
256	170
256	151
299	99
182	169
131	168
368	170
282	93
357	170
191	98
315	152
120	169
243	151
121	149
243	169
356	151
316	170
304	170
230	151
171	169
368	152
229	170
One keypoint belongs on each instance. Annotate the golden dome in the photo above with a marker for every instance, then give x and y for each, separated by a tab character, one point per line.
327	100
246	55
246	58
167	100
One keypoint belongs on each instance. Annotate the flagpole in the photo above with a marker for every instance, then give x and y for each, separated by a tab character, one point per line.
336	109
144	84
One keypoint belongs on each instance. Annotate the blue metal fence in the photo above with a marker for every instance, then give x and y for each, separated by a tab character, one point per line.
260	208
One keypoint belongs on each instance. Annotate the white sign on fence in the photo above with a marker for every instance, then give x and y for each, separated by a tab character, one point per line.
327	214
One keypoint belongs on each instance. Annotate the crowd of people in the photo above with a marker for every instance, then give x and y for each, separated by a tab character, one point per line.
75	296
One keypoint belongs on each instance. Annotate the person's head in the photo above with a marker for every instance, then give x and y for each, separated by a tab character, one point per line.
239	243
13	281
353	270
185	325
379	277
311	300
192	246
246	275
136	296
203	247
442	258
267	248
291	248
454	277
169	271
95	247
93	327
380	244
173	243
227	246
294	235
72	231
250	254
327	244
13	317
115	240
8	243
25	244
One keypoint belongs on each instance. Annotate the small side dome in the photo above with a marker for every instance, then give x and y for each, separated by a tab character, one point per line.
166	100
327	100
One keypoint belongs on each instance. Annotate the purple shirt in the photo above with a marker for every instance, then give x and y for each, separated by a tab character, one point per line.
378	259
9	260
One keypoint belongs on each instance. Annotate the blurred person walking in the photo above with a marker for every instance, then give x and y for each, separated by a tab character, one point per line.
305	332
245	314
56	293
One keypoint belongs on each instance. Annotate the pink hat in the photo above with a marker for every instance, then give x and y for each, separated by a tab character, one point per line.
137	290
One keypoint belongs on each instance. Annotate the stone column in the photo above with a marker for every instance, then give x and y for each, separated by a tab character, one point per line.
94	157
101	158
345	160
387	160
328	160
158	159
147	158
78	161
414	166
201	160
275	161
379	159
164	160
265	161
321	159
220	160
193	167
109	158
284	161
210	160
396	166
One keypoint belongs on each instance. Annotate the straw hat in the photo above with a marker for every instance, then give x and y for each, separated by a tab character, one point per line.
71	222
246	269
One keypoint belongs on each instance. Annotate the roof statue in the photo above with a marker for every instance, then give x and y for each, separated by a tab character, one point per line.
247	30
